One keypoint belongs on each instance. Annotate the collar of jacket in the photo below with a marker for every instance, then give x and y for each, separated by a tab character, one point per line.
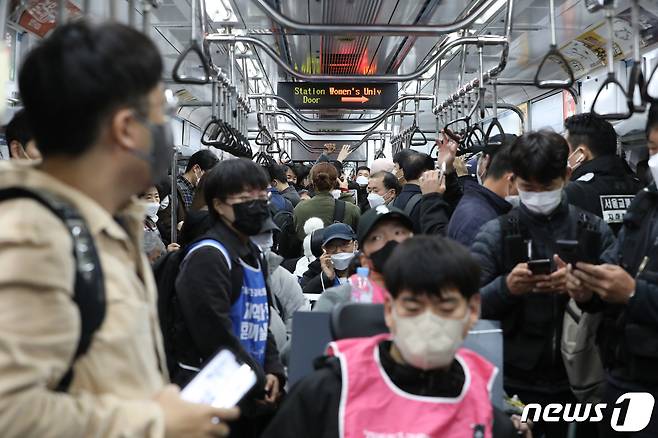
478	191
604	165
560	212
411	188
434	383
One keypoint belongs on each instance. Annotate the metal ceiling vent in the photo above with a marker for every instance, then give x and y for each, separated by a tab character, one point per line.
341	55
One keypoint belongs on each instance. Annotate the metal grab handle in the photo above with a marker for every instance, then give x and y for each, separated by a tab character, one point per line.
611	80
554	52
210	134
636	80
273	148
379	153
554	83
487	137
474	133
284	157
422	142
645	91
194	47
264	138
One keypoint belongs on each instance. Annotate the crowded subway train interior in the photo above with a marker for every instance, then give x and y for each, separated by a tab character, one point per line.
356	218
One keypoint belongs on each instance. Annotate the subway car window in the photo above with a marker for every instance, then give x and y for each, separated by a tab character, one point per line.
329	218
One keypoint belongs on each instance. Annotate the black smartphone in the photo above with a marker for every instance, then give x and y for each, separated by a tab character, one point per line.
540	267
569	251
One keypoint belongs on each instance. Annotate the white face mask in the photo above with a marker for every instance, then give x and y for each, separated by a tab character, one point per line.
335	194
264	241
428	341
362	180
375	200
515	200
341	261
543	203
164	203
152	209
653	167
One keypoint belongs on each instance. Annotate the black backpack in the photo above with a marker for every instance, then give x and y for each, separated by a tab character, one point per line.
89	288
286	243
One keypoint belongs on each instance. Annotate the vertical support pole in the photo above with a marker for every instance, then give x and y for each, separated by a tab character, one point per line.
61	12
173	199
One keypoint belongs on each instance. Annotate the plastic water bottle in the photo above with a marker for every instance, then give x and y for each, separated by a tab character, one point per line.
361	288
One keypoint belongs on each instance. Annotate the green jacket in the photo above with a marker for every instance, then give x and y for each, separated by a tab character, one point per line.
322	206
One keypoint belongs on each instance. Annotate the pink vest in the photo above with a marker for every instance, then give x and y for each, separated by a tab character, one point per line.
371	406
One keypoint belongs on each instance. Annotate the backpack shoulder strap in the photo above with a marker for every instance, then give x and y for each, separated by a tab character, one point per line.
411	204
213	244
89	288
339	211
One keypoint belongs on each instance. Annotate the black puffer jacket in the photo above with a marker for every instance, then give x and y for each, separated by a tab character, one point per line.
603	186
532	323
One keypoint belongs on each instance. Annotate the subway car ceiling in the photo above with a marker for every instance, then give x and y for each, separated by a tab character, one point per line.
292	75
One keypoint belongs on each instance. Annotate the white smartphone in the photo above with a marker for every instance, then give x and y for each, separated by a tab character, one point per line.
221	383
442	171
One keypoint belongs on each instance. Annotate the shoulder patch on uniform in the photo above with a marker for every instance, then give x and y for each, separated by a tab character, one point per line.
587	177
614	207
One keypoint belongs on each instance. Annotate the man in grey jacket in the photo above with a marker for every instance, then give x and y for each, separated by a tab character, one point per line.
380	231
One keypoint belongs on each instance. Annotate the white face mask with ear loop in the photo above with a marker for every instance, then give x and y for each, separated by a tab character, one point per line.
543	203
375	200
428	341
152	209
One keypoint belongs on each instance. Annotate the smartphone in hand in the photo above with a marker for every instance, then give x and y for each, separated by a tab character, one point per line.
540	267
221	383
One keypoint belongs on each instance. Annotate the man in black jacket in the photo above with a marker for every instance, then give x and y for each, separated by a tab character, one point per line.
531	304
601	182
625	290
221	287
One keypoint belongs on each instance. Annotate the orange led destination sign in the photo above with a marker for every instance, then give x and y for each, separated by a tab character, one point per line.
310	95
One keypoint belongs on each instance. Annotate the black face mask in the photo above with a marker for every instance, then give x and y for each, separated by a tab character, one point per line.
379	258
250	216
161	152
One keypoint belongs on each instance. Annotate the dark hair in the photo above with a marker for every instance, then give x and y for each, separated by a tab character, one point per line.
230	177
594	132
429	264
540	156
362	168
338	165
390	181
78	76
501	163
18	130
300	170
278	172
652	118
416	164
401	157
324	176
204	158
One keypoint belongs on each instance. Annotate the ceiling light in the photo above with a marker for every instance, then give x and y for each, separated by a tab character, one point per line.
490	12
220	11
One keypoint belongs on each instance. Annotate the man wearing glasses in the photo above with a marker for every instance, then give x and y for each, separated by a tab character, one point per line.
221	288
